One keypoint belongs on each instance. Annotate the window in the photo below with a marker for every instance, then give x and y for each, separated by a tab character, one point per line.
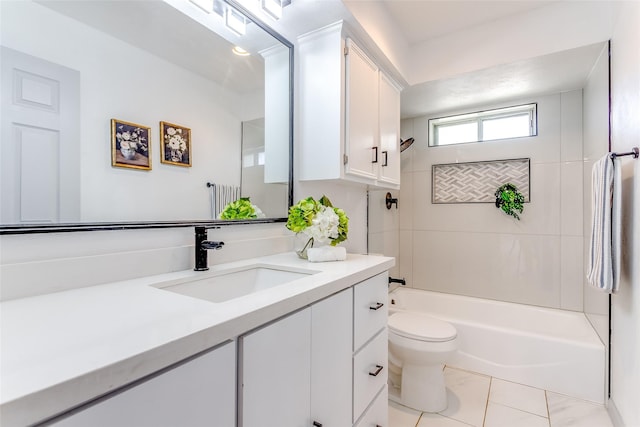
510	122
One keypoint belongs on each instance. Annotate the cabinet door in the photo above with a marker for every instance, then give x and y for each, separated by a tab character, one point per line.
389	131
198	393
361	121
377	415
331	371
275	374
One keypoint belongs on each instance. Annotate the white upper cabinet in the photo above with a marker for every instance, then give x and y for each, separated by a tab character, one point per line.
349	112
361	99
389	116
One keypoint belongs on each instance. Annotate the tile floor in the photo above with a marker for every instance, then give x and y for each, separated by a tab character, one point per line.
482	401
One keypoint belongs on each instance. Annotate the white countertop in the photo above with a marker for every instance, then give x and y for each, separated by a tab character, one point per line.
59	350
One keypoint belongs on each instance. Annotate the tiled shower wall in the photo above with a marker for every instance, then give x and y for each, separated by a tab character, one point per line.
475	249
595	145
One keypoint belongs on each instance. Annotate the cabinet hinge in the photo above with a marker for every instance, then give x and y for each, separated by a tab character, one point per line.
345	159
346	51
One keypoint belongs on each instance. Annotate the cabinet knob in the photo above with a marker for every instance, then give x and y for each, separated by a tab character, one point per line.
378	369
375	154
317	424
377	306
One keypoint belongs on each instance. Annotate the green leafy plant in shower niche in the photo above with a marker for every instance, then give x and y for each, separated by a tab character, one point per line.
510	200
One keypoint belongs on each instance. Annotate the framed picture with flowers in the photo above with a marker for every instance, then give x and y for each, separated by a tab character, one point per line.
130	145
175	141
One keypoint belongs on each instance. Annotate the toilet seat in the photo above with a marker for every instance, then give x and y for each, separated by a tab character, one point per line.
421	327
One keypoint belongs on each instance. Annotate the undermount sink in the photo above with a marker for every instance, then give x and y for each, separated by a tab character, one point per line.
234	283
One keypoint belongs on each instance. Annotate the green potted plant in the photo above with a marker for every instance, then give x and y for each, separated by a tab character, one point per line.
510	200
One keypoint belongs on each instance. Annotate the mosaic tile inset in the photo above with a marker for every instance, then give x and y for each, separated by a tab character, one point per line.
476	182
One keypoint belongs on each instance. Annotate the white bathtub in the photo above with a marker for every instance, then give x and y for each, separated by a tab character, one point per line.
552	349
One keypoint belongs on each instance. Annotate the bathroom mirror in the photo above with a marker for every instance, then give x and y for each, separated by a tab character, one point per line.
107	70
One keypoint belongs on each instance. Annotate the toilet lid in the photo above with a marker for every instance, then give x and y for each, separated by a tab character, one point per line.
421	327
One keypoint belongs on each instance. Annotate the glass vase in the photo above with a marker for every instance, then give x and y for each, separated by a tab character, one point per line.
302	243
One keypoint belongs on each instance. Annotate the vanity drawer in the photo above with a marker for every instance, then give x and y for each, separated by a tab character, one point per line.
369	372
370	308
377	415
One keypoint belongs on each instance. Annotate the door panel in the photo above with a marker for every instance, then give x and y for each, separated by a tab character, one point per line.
40	155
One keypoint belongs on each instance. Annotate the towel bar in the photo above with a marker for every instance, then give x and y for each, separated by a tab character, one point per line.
634	152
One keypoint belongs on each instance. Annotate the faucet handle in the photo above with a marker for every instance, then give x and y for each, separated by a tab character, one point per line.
209	244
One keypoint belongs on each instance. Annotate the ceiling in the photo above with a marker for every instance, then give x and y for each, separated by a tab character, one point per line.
553	73
421	20
417	22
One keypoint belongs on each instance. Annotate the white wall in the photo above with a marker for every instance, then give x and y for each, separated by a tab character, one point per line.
625	124
383	227
123	82
475	249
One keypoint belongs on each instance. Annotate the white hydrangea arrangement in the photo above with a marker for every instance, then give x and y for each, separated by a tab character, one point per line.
319	220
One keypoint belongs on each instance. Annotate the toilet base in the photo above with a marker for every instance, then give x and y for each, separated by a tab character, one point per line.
423	388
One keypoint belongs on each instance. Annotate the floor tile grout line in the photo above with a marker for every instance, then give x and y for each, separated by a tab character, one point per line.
486	405
518	409
546	402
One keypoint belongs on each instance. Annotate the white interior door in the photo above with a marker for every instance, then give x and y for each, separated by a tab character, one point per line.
40	155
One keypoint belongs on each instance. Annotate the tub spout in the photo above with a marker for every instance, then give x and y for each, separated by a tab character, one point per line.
402	281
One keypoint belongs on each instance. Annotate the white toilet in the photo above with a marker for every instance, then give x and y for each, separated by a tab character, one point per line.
419	345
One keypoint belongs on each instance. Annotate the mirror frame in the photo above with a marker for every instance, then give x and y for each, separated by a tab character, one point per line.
214	223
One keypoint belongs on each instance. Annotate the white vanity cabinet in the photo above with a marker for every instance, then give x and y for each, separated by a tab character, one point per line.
370	354
199	392
297	370
349	112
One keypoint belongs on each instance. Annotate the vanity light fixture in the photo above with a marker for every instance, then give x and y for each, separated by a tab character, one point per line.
273	8
210	6
235	21
206	5
240	51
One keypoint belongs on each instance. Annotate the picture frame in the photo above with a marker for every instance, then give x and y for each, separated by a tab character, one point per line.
130	145
175	142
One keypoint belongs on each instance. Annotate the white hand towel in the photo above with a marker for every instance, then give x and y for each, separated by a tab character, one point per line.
326	253
604	248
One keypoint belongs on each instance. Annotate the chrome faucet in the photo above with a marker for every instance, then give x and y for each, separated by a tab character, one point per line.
202	245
